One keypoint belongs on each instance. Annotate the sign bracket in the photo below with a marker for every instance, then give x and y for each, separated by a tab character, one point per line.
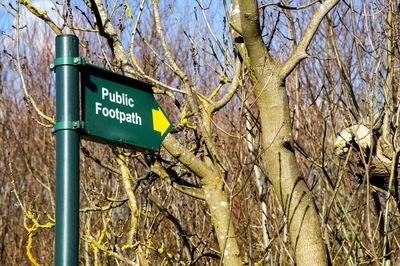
67	61
71	125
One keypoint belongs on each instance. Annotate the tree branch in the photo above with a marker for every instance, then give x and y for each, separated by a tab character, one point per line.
108	31
191	191
300	52
42	15
256	50
232	90
188	159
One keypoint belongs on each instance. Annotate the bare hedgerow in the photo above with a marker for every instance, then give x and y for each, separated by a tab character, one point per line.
257	95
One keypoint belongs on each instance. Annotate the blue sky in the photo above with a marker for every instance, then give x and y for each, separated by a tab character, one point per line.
7	20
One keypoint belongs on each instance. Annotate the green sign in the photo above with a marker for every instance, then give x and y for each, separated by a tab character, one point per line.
121	110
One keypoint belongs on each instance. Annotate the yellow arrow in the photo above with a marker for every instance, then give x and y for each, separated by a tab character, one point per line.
160	121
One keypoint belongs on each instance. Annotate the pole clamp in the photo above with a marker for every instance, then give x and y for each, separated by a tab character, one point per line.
68	125
67	61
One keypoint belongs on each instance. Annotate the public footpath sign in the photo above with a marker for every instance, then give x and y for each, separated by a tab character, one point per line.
115	109
121	110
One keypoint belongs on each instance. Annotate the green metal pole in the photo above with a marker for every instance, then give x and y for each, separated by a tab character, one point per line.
67	154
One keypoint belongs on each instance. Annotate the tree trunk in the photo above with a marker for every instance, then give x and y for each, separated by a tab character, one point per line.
268	76
289	185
